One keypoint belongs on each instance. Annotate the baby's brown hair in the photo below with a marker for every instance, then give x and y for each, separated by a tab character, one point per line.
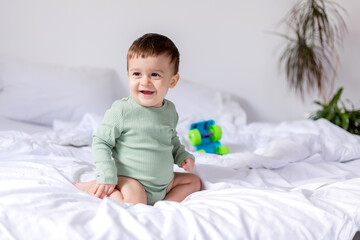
152	45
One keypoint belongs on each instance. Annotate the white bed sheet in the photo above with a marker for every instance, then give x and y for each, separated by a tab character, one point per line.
294	180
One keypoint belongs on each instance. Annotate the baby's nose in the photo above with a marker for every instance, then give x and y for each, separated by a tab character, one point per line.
145	80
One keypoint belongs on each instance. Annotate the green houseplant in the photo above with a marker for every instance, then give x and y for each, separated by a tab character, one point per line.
316	29
348	119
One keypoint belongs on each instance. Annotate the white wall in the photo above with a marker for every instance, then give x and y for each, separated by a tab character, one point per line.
224	44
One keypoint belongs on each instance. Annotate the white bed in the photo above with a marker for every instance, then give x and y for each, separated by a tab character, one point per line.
290	180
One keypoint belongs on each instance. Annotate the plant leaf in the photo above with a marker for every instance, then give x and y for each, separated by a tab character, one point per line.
345	121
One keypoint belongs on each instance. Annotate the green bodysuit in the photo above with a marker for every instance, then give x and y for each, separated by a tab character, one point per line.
141	143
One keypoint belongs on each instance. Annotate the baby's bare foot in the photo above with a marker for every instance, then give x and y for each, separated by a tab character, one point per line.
88	187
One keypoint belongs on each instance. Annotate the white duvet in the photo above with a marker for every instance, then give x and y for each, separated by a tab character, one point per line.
294	180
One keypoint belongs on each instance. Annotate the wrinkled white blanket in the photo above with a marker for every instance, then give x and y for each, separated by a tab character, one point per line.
294	180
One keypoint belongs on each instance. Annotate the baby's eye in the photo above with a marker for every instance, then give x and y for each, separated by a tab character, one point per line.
155	75
136	74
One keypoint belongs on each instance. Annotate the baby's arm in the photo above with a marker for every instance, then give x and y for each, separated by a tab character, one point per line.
104	141
188	164
180	153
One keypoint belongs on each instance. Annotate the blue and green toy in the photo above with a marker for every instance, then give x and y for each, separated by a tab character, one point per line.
205	136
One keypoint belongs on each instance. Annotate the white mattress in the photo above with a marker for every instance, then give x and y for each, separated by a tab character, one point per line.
12	125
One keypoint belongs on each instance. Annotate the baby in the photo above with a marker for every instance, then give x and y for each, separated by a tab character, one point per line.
136	144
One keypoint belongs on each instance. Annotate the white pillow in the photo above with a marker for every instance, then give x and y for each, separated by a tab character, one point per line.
40	93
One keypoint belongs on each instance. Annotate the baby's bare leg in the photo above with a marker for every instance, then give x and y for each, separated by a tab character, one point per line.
128	190
88	187
182	186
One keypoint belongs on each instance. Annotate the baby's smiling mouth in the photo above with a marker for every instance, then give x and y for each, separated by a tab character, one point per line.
146	92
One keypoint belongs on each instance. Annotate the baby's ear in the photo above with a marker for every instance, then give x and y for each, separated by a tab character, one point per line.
174	80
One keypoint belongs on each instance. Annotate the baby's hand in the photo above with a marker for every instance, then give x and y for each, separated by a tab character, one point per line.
103	190
188	164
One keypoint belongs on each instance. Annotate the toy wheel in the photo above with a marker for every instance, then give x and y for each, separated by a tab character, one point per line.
216	130
194	137
201	151
222	150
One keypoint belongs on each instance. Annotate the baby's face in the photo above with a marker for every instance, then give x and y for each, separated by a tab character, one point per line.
150	79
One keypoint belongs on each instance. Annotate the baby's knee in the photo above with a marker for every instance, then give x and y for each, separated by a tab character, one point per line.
196	182
193	181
